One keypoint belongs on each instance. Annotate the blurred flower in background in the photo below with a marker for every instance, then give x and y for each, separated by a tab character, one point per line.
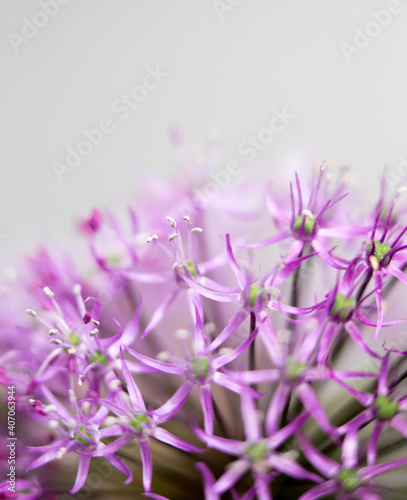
246	346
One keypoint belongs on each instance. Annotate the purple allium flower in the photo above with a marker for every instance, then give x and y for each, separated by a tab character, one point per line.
177	361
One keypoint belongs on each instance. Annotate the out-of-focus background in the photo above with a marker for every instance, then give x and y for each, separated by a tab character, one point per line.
90	88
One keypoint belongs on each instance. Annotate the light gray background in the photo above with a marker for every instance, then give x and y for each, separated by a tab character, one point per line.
225	74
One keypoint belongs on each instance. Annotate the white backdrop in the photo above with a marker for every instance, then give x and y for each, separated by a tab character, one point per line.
334	71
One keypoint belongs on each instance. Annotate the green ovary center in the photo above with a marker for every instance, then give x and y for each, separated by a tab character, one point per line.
308	224
349	479
200	367
386	409
138	420
73	338
89	437
380	250
191	268
257	452
294	369
255	292
99	358
343	307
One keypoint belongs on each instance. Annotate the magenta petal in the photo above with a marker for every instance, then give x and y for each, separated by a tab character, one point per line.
232	296
146	460
280	436
250	417
320	491
236	320
122	467
168	438
382	389
208	480
43	459
231	476
134	391
371	453
374	470
154	496
397	273
291	468
378	281
83	469
158	365
324	254
356	336
279	400
232	384
228	446
262	486
240	276
269	241
312	404
268	336
350	449
160	312
174	404
112	447
228	358
207	407
400	425
323	464
294	251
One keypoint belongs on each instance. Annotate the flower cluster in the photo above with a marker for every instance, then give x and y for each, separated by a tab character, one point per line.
184	358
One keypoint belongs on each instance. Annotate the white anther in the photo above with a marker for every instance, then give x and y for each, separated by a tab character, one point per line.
85	407
77	289
93	332
110	420
172	236
292	455
71	350
322	167
48	292
31	401
80	380
53	424
53	331
374	262
181	334
225	351
196	230
163	356
308	213
171	221
188	219
55	341
175	266
72	396
61	452
114	384
31	312
49	408
95	322
209	328
151	238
